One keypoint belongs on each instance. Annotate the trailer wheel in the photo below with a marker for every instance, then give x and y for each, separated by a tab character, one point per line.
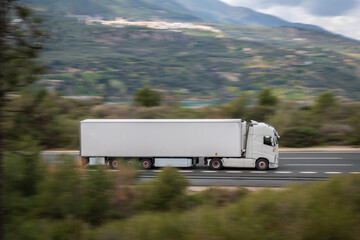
114	163
216	164
262	164
146	163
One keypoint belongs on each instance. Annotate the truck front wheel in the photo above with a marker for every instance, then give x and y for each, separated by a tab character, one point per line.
262	164
216	164
146	163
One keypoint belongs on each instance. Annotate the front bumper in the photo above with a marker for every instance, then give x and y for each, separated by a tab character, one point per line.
273	165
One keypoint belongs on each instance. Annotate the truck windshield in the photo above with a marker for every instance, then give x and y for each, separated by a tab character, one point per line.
276	140
276	136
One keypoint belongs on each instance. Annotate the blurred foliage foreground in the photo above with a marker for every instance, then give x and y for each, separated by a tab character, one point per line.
66	201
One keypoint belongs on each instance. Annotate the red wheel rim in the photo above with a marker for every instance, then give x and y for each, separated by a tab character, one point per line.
146	163
262	164
216	164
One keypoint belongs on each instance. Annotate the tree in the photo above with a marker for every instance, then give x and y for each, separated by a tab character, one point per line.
166	192
325	102
300	137
147	97
61	193
20	41
266	98
239	107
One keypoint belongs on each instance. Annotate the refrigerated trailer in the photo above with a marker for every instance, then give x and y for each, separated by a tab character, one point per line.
180	143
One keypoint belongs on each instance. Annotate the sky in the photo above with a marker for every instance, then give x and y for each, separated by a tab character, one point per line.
337	16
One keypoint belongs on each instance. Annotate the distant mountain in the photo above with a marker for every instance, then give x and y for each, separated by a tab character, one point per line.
219	12
109	9
174	10
114	62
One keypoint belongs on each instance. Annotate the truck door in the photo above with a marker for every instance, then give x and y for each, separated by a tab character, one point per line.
269	148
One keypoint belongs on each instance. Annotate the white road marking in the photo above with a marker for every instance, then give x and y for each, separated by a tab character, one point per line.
306	158
234	171
317	152
354	172
258	172
333	172
320	165
308	172
185	171
209	171
283	172
157	170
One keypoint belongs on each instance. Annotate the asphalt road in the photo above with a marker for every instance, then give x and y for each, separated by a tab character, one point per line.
299	166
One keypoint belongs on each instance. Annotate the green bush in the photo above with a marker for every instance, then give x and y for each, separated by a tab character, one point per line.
166	192
266	98
96	196
300	137
147	97
217	196
324	210
355	124
61	194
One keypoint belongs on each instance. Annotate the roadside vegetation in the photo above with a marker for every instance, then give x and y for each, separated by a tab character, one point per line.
66	201
53	121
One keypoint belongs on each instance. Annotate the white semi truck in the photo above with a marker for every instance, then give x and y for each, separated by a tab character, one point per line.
180	143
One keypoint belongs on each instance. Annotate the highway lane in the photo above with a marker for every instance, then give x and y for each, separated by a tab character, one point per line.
295	166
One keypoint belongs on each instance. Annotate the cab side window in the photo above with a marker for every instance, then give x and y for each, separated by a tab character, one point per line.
267	140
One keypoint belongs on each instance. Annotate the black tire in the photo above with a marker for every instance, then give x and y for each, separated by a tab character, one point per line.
146	163
114	163
216	164
262	164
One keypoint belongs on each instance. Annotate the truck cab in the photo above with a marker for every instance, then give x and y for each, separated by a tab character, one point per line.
260	150
262	145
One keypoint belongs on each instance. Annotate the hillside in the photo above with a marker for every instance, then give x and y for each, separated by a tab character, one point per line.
287	37
114	62
173	10
109	9
219	12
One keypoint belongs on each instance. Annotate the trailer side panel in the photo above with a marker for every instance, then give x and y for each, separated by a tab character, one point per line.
186	138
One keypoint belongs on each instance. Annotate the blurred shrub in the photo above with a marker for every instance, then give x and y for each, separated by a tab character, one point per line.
324	210
217	196
266	98
123	197
50	119
61	194
336	134
147	97
23	170
355	124
260	113
300	137
95	203
325	103
165	192
44	229
239	107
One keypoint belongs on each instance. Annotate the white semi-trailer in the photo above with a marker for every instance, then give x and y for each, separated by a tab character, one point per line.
180	143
